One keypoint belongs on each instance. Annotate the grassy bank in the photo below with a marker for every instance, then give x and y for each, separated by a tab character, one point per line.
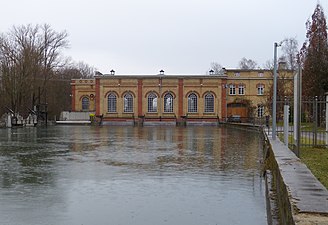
317	161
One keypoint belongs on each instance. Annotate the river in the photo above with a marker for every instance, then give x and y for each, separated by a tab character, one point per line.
81	175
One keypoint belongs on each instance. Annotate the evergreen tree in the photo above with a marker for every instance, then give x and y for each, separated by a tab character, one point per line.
314	55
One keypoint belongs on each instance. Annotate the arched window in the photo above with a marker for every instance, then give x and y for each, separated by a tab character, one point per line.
168	103
152	102
209	102
85	103
112	102
128	102
192	103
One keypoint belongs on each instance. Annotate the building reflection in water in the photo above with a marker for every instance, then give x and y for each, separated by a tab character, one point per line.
59	175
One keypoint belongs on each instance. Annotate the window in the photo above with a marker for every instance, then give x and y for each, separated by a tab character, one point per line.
152	102
260	74
237	74
192	103
260	111
209	103
241	89
128	102
168	103
85	103
260	89
111	103
232	89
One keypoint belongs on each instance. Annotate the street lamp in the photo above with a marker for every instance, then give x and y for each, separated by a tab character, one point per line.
211	72
274	102
112	72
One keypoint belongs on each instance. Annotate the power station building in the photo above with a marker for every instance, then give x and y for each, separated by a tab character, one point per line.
177	98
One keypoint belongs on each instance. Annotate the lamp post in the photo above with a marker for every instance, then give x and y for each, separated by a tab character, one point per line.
274	102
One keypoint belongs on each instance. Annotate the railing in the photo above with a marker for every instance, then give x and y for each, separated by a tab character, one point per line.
313	122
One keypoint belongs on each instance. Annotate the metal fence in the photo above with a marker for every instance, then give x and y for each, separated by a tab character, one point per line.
313	122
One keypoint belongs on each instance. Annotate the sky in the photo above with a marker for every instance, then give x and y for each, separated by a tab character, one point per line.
177	36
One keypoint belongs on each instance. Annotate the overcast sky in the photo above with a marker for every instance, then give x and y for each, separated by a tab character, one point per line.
178	36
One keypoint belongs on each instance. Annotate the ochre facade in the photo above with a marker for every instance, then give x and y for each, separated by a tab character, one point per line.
175	97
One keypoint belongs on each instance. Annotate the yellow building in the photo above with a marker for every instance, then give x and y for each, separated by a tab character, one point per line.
176	98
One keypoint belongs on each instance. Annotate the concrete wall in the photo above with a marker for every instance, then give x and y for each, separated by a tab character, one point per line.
299	198
74	116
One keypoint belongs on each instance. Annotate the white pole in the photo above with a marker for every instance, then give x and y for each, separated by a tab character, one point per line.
274	102
295	107
286	123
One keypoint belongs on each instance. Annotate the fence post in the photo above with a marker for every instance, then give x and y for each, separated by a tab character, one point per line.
315	121
297	110
286	122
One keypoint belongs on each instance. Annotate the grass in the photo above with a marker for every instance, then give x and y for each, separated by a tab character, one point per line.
305	126
304	140
317	161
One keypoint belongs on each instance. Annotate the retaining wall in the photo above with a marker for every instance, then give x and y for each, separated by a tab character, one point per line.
299	197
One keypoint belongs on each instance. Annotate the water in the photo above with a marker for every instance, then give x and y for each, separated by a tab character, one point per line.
128	175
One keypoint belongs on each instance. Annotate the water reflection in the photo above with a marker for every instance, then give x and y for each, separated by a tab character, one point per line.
130	175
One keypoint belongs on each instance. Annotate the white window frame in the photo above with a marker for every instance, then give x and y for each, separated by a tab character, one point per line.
209	103
260	111
232	89
168	103
192	103
260	89
152	102
128	103
112	103
241	89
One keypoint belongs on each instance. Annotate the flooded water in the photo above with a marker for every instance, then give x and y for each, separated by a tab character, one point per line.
65	175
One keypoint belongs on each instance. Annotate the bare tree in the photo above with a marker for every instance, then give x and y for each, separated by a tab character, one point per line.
85	70
217	68
247	64
29	58
75	70
268	65
290	51
59	90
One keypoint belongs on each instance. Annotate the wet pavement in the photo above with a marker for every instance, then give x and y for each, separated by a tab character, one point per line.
130	175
